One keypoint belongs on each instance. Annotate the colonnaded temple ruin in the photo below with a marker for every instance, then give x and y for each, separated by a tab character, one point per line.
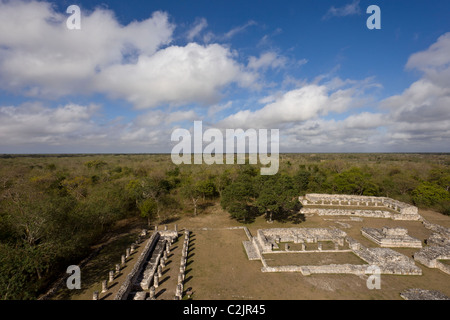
361	206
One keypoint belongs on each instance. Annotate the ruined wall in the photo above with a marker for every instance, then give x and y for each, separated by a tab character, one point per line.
391	237
354	200
126	287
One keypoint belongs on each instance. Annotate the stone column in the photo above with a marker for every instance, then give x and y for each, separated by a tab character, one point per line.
156	228
176	228
133	247
152	293
180	277
179	291
303	247
111	276
182	269
155	281
165	255
336	246
127	253
163	263
104	286
95	295
117	268
319	246
165	227
159	271
122	259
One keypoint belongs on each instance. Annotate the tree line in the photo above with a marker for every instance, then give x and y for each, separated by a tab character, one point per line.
54	209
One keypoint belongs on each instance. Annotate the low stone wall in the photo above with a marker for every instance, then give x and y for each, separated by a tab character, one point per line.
348	212
406	211
126	287
336	269
388	260
429	257
391	237
282	269
269	239
420	294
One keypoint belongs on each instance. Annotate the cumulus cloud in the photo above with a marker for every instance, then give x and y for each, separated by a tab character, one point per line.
175	75
33	123
356	133
420	113
42	58
307	102
34	127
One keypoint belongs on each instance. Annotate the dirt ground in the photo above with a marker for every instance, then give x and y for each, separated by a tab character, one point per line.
218	267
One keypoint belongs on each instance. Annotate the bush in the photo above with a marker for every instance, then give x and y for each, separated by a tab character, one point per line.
429	195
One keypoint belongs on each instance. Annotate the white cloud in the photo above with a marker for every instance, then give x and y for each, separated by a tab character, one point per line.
41	57
175	75
267	60
347	10
33	127
44	59
34	123
239	29
194	32
420	114
307	102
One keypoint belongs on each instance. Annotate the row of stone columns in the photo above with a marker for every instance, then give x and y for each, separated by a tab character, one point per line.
123	260
375	203
159	269
181	274
319	246
166	227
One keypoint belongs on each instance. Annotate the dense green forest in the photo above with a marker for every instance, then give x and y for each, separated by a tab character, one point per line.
53	208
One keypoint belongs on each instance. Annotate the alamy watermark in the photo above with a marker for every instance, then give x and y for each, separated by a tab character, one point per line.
74	280
374	280
214	151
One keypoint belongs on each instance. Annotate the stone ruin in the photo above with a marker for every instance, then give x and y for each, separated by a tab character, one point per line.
143	279
268	239
386	260
438	248
391	237
350	205
421	294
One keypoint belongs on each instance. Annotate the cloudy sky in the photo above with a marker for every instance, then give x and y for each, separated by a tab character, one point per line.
137	70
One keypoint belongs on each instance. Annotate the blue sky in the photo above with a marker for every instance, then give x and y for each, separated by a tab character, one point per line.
136	70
